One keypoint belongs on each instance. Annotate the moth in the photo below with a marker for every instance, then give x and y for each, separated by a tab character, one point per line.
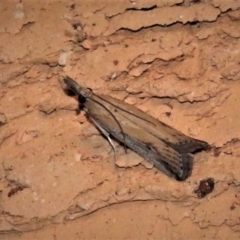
167	149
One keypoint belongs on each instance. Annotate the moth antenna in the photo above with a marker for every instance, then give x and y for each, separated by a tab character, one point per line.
104	132
124	136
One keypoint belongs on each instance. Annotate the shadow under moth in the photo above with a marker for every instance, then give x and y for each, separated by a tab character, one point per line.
167	149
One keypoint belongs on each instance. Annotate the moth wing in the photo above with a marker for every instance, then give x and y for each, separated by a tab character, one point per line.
155	150
172	137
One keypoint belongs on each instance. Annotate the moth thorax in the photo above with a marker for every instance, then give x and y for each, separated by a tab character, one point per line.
84	95
82	99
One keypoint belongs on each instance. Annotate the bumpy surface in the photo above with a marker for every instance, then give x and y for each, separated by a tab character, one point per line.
177	60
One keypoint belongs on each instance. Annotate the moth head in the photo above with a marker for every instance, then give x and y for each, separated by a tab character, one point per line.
72	88
83	95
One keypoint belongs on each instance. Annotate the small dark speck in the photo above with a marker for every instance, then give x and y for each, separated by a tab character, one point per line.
94	24
76	25
115	62
72	7
168	114
154	40
232	207
126	45
216	152
14	190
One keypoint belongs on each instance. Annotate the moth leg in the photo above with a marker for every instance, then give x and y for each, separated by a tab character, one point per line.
106	134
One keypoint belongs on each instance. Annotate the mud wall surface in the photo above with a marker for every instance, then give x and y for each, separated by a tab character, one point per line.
177	60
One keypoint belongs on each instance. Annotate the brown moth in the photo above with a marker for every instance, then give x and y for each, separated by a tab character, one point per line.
166	148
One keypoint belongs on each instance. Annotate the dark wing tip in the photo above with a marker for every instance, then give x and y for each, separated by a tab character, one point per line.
186	168
175	164
191	146
197	145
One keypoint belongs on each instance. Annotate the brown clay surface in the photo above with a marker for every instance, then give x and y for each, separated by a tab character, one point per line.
177	60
